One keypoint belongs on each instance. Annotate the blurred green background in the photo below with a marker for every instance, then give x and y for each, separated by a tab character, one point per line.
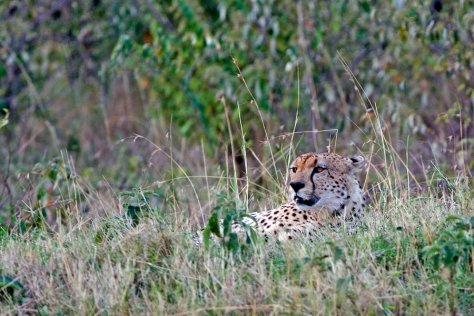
77	77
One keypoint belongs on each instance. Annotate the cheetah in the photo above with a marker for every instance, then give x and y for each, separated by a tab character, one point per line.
324	190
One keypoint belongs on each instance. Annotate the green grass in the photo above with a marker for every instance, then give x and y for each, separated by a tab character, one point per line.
95	219
78	244
411	255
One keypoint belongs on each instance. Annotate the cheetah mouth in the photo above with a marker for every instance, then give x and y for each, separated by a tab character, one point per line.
307	202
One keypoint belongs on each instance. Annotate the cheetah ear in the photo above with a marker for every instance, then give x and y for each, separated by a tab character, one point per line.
358	163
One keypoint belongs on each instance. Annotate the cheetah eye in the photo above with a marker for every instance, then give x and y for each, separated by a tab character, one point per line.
319	169
293	169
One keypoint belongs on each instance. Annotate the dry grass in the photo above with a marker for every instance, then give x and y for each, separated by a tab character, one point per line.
112	266
114	251
119	263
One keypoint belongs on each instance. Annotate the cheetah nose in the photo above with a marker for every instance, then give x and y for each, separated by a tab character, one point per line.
296	185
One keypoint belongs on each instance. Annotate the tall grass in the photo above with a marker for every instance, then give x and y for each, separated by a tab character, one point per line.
85	250
113	265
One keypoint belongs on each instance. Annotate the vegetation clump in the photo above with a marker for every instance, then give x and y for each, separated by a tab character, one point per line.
126	126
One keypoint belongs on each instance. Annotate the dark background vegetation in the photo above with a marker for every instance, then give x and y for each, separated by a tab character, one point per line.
77	77
124	124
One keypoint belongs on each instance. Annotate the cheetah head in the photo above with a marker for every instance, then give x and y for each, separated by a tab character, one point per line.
325	181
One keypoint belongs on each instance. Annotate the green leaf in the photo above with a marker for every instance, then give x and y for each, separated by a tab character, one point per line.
213	225
41	193
206	236
3	71
134	212
365	6
4	120
233	242
227	224
10	289
53	174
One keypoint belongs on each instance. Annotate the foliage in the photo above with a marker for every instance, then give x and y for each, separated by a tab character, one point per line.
452	250
4	119
10	289
152	268
120	120
232	79
140	203
179	56
54	179
220	223
453	246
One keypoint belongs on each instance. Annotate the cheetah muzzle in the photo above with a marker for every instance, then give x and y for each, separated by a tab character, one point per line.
306	202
